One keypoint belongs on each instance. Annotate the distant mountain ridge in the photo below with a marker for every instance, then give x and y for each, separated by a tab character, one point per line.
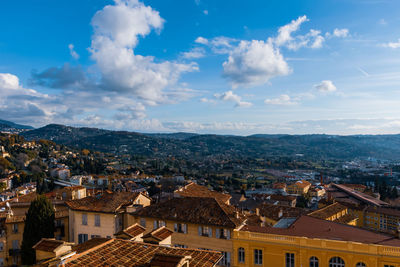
189	145
8	126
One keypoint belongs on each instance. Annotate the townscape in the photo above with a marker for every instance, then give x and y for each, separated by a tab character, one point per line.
105	209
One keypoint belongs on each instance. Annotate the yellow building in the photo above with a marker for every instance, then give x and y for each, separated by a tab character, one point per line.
314	242
335	212
13	220
200	223
298	188
102	215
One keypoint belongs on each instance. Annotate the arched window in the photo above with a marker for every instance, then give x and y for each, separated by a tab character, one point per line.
241	255
361	264
314	262
336	262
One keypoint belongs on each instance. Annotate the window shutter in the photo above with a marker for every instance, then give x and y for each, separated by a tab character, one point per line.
210	232
175	227
228	258
185	228
228	234
199	230
217	235
155	224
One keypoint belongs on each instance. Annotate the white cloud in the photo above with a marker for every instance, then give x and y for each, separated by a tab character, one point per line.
325	86
201	40
116	31
284	32
197	52
282	100
205	12
72	51
254	63
393	45
232	97
9	81
339	33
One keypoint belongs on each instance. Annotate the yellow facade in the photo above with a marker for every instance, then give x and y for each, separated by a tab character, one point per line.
298	188
191	239
275	247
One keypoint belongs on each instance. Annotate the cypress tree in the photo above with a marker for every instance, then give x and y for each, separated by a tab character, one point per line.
39	223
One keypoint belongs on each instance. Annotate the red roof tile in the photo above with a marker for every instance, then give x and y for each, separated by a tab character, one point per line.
117	252
159	233
195	190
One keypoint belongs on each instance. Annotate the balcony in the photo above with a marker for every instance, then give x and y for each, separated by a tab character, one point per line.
14	251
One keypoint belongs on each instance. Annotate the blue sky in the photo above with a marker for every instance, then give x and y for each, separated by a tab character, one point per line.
227	67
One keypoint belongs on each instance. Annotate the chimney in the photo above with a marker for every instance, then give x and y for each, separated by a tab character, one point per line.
257	211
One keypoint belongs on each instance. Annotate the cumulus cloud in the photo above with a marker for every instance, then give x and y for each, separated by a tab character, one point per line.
63	77
326	86
285	32
9	81
282	100
72	51
254	63
393	45
201	40
197	52
232	97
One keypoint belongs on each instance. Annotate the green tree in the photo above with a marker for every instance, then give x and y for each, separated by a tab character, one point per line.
39	224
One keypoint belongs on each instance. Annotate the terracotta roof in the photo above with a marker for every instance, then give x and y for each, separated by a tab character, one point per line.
117	252
360	196
386	211
133	230
328	211
279	185
166	260
310	227
91	243
207	211
282	198
159	233
274	211
302	183
195	190
47	244
107	202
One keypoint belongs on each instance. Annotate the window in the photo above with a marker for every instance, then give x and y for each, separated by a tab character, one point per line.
241	255
143	222
15	228
84	219
361	264
226	259
258	256
158	224
97	220
180	246
223	233
64	195
1	262
82	238
314	262
15	244
387	265
205	231
1	246
336	262
94	236
289	259
180	228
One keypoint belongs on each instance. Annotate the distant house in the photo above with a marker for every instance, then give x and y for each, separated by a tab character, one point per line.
298	188
61	173
195	190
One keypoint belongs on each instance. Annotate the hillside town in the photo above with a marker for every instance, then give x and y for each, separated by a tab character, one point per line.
105	215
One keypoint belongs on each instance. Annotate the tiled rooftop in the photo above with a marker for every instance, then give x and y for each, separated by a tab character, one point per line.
107	202
307	226
195	190
276	212
117	252
206	211
133	230
328	211
159	233
47	244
